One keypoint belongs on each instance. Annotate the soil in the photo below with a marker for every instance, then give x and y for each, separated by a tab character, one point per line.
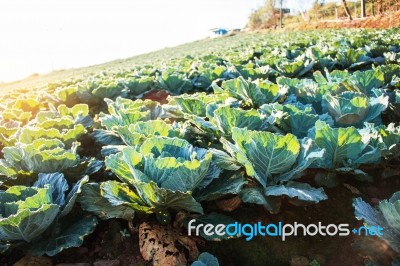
326	250
112	244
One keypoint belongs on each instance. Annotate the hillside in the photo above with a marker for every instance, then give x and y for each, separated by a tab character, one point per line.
198	48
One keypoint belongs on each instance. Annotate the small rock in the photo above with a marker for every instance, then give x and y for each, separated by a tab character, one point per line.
97	249
107	263
73	264
179	219
299	261
34	261
320	258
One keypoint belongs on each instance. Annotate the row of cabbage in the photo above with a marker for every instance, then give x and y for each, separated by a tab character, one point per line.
295	55
254	122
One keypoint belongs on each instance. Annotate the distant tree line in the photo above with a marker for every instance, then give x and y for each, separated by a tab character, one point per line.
360	8
270	16
379	7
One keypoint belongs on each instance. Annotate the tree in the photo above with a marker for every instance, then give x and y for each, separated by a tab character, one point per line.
363	8
346	9
263	17
380	8
280	14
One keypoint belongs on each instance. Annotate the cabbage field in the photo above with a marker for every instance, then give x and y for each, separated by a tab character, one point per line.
301	126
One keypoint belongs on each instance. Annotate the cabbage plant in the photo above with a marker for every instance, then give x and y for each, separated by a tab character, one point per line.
346	148
386	215
123	112
23	162
354	108
274	161
254	93
39	218
163	173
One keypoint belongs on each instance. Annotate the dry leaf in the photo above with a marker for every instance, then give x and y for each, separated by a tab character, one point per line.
229	204
165	245
353	190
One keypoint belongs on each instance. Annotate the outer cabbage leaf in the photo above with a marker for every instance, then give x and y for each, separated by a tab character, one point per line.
194	104
306	90
292	118
65	230
174	82
32	214
344	146
391	211
92	201
7	131
67	95
352	108
256	93
206	74
119	194
161	198
169	162
137	133
25	213
391	138
394	106
70	233
274	160
138	85
227	184
365	81
309	154
106	137
225	118
263	154
206	259
333	78
62	195
224	161
389	72
58	186
40	156
4	247
68	137
293	69
387	216
302	191
28	105
350	58
124	112
107	88
64	117
256	196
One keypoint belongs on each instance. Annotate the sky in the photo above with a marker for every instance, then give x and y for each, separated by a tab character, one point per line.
38	36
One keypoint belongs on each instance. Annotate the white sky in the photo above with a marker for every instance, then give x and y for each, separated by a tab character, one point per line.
37	36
